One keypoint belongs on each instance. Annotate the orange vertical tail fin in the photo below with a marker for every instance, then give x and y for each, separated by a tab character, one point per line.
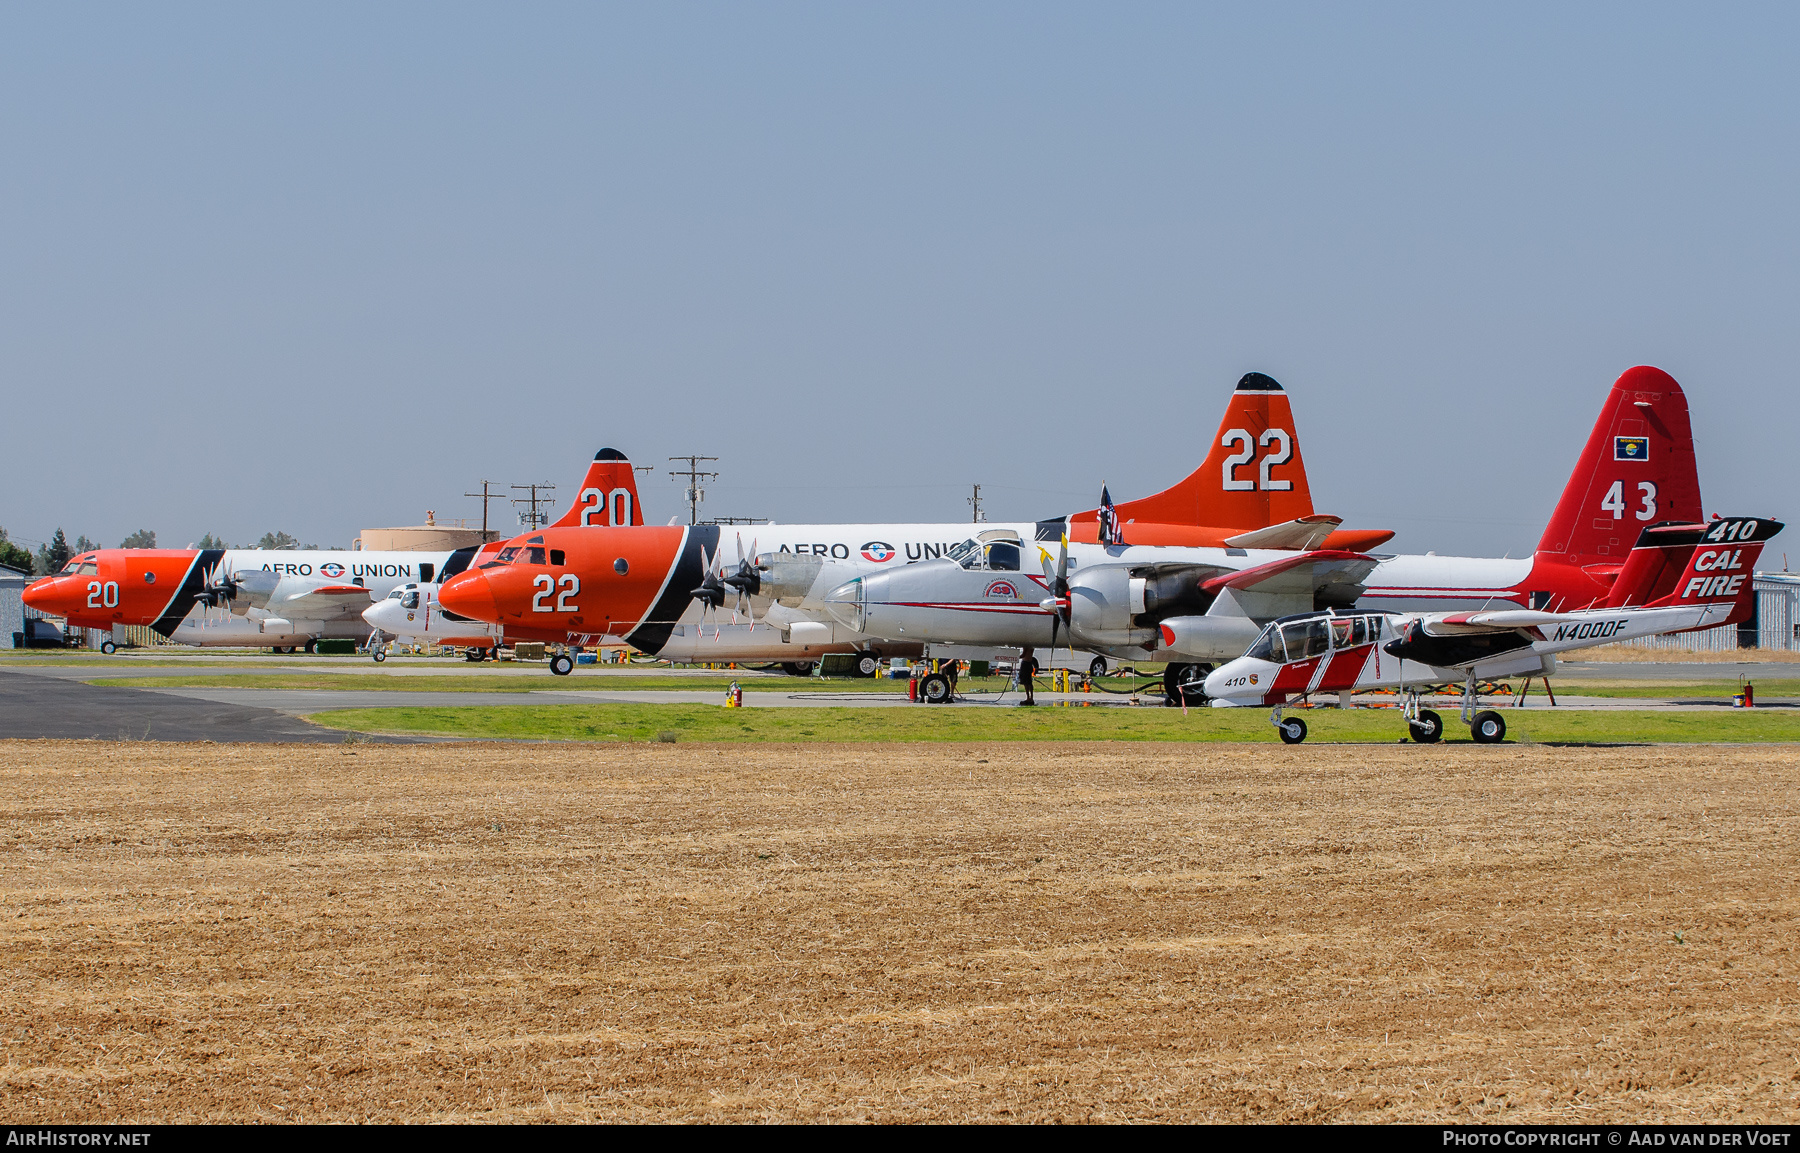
1253	475
608	494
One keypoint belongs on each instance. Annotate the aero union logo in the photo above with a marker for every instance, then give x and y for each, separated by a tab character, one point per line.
1002	589
332	569
878	551
1252	678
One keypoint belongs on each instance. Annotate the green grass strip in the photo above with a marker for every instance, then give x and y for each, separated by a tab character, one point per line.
633	722
544	682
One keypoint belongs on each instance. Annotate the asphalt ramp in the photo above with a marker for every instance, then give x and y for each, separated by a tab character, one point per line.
40	707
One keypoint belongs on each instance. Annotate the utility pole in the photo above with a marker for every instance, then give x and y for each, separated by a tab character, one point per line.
534	519
975	501
695	491
485	496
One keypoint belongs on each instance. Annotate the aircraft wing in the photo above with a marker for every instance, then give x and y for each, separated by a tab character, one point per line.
1310	573
323	603
1305	533
1514	620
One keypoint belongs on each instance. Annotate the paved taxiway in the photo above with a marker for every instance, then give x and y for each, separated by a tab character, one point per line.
51	701
35	706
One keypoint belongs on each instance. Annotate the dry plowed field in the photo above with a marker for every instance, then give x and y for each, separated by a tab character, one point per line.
935	932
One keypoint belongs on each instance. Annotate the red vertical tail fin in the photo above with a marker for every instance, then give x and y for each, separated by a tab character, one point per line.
1720	566
1636	470
608	494
1253	475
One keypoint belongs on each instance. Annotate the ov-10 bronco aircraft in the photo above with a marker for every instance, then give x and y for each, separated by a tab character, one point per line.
666	590
280	599
1678	577
1193	607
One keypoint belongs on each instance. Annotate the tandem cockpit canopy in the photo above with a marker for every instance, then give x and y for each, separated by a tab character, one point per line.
1313	635
997	550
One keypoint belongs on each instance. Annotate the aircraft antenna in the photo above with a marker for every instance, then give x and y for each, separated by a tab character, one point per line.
696	492
976	516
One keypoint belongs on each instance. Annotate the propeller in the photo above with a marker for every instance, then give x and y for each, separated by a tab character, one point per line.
745	580
1057	578
711	593
221	592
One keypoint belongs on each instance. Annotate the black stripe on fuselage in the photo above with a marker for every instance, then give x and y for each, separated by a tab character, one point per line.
701	545
458	562
192	585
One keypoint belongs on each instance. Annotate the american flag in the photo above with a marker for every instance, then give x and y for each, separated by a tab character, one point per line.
1111	531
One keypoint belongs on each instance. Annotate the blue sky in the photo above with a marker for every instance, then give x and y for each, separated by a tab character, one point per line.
324	269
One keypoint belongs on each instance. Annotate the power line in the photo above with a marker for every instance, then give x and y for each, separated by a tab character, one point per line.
485	496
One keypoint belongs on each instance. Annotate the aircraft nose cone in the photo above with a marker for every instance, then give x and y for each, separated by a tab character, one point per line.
844	603
469	595
1214	685
43	595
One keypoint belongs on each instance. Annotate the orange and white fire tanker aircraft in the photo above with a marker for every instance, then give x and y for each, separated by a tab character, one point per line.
285	599
665	589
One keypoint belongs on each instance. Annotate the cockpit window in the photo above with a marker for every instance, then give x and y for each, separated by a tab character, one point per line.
396	594
1306	639
89	568
506	556
537	555
410	600
1000	556
1265	648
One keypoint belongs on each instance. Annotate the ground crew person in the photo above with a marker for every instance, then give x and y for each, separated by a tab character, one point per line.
1028	668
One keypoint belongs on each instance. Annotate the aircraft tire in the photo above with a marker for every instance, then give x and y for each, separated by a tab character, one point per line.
472	655
1489	727
379	655
108	648
797	668
1177	675
562	664
935	689
1096	668
867	664
312	645
1292	730
1428	729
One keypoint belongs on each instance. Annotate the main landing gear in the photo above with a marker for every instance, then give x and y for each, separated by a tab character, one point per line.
1487	726
562	664
1426	727
1181	687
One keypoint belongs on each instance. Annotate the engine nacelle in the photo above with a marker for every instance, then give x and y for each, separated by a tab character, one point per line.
253	589
1120	606
797	581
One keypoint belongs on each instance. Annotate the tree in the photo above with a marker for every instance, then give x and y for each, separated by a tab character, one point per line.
12	555
53	556
142	538
277	540
83	544
211	541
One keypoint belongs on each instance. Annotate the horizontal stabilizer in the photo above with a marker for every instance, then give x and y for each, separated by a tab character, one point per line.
1307	532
